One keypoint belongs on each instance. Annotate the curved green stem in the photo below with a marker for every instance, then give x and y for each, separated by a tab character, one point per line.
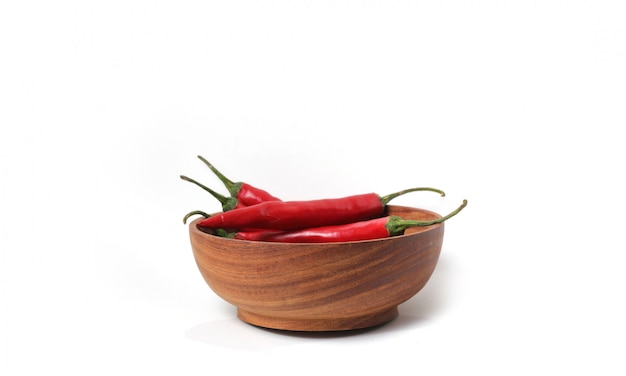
385	199
228	203
397	226
195	212
232	187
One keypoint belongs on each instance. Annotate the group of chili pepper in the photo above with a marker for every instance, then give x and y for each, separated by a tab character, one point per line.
250	213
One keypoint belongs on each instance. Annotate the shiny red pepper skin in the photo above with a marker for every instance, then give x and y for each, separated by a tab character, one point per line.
249	195
289	215
377	228
362	230
245	193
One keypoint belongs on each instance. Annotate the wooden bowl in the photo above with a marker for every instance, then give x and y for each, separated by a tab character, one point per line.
320	287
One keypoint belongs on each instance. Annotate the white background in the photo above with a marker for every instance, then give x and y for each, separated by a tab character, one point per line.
515	105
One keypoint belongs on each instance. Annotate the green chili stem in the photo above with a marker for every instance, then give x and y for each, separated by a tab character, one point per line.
385	199
195	212
397	225
228	203
232	187
225	234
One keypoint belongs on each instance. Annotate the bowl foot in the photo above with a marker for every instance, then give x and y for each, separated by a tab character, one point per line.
318	325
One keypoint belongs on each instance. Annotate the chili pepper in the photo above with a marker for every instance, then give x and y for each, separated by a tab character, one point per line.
376	228
244	192
291	215
228	203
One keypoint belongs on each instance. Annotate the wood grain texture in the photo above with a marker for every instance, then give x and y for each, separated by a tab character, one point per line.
320	287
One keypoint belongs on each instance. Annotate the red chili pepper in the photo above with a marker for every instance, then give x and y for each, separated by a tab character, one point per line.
244	192
291	215
377	228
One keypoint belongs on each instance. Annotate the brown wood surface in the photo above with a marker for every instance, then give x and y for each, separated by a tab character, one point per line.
320	287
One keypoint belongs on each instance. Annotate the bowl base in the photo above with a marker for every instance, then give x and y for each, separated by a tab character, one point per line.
318	325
